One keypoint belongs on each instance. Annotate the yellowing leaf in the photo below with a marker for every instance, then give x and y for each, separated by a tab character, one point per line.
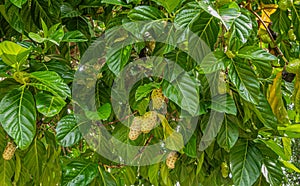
267	11
276	102
290	166
167	129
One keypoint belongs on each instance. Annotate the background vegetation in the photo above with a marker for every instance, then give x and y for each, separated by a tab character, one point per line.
256	54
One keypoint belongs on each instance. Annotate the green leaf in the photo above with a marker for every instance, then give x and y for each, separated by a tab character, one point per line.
18	116
255	53
129	176
190	148
169	5
244	79
276	148
152	173
264	112
52	81
213	62
67	131
296	20
104	111
206	27
107	178
290	166
272	172
240	31
7	85
223	103
184	92
34	160
211	130
13	54
143	13
175	141
74	36
229	14
6	172
118	58
79	172
280	21
245	161
36	37
116	2
49	105
18	3
144	90
229	133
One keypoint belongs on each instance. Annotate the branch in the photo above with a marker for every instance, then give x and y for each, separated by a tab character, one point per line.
271	36
144	147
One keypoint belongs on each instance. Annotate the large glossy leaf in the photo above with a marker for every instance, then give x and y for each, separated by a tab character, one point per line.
264	112
244	79
272	172
18	116
118	58
7	85
49	105
152	173
74	36
6	172
229	133
13	54
79	172
280	21
53	81
211	130
276	148
143	13
169	5
255	53
67	131
34	159
184	92
107	178
229	14
245	161
18	3
296	20
201	22
240	31
224	104
213	62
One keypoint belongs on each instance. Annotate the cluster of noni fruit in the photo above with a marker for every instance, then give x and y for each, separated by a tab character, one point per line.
147	122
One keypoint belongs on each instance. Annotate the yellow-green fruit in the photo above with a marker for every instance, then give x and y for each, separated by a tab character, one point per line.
9	151
283	5
158	99
171	159
135	128
21	77
291	35
293	66
224	169
222	89
149	121
229	54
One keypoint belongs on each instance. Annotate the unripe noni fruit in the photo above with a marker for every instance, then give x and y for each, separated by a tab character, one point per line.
9	151
171	159
224	170
149	121
135	128
158	99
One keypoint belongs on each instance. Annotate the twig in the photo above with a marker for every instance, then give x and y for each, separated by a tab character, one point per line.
271	36
144	147
116	121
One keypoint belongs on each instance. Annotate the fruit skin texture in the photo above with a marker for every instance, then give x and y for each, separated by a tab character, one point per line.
171	159
135	128
149	121
158	99
9	151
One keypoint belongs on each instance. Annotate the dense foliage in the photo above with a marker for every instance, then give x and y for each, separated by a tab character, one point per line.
255	63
